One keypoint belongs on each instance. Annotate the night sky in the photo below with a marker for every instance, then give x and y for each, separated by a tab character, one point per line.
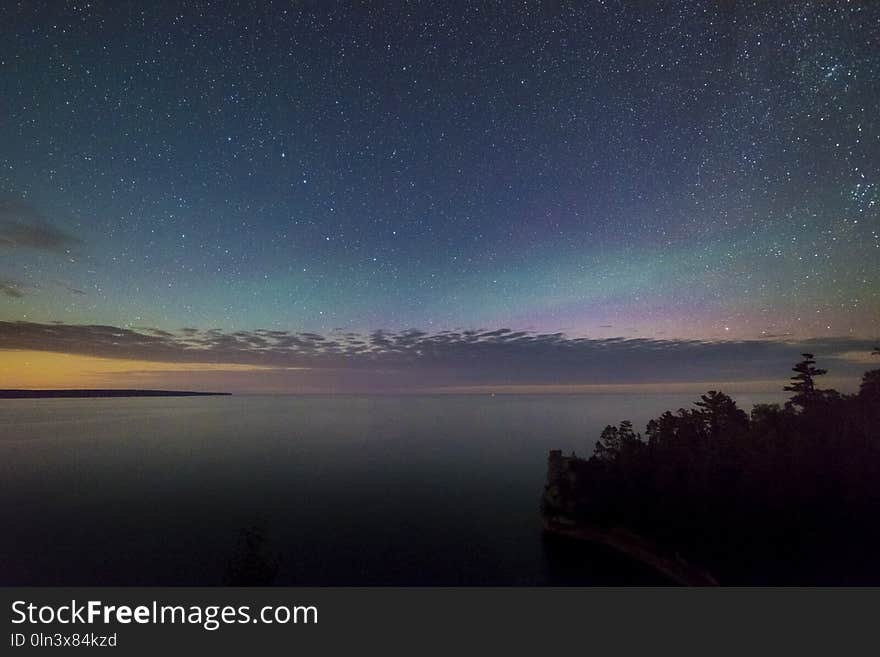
542	179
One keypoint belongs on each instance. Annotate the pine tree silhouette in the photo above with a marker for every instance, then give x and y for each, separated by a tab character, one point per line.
803	383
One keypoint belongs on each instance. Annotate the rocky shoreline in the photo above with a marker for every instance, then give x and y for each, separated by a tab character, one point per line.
558	511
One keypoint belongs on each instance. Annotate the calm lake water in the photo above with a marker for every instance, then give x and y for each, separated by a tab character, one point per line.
366	490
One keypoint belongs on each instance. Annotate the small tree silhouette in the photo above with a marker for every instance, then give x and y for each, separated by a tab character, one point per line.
721	413
617	441
870	387
803	383
252	564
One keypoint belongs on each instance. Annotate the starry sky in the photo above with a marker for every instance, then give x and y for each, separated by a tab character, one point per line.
219	181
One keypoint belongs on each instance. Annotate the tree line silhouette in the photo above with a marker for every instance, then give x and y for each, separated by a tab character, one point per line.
788	494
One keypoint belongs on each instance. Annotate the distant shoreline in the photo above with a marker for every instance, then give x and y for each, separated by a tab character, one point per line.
87	393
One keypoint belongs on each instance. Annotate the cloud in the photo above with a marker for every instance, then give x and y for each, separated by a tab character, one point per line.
15	289
67	286
11	289
416	359
23	227
863	357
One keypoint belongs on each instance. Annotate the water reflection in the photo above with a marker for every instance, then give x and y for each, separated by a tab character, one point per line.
348	490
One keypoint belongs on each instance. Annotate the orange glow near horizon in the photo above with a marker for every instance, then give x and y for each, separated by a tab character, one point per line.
53	370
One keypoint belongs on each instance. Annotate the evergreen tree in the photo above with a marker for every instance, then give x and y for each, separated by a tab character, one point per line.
721	413
869	390
803	383
616	441
870	386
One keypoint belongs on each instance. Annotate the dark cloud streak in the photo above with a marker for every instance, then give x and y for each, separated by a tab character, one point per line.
22	226
11	289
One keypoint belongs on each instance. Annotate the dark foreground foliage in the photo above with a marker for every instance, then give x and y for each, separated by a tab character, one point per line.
785	495
253	564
